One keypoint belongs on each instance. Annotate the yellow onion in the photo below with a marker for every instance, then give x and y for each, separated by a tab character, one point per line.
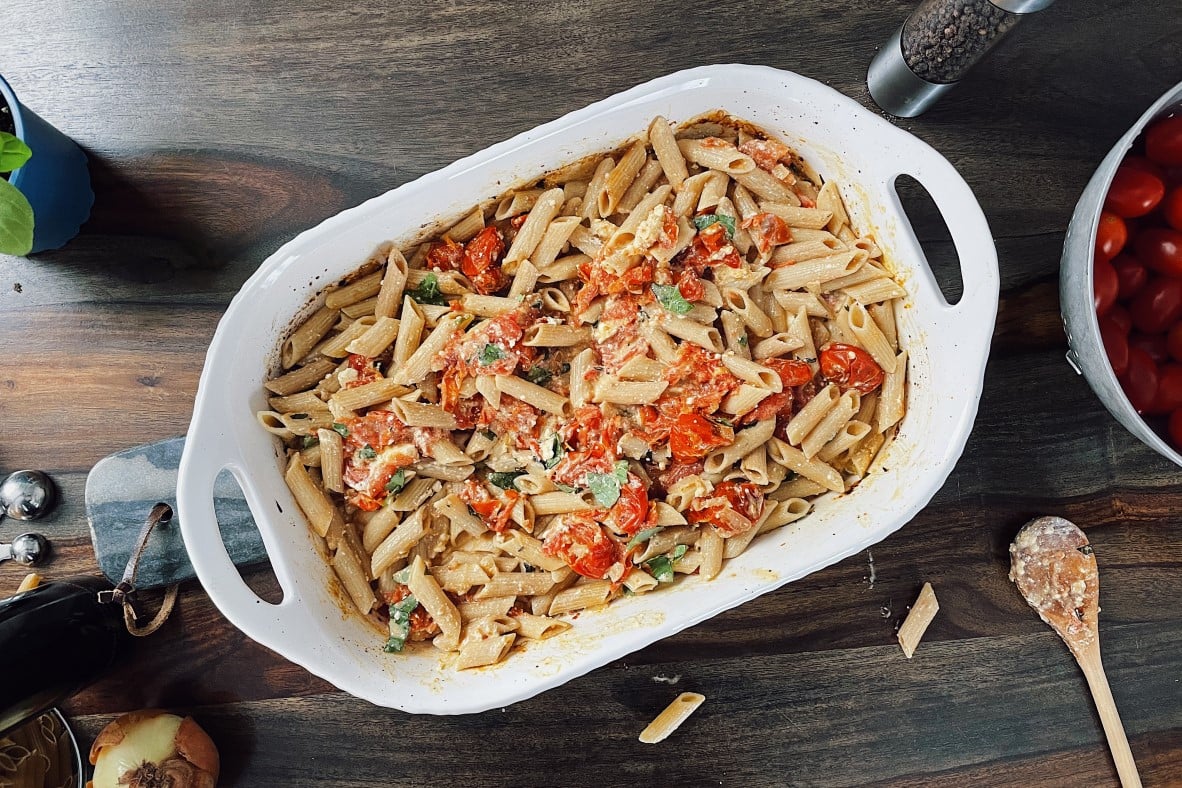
153	749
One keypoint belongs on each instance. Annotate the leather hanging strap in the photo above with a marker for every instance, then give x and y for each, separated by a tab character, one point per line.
124	592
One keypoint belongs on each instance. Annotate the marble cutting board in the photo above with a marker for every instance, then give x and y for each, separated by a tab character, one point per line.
122	489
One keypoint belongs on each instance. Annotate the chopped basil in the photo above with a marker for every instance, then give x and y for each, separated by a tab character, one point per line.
402	576
340	429
538	375
555	452
606	487
743	339
662	566
672	299
428	291
504	480
310	441
727	222
643	536
400	623
490	435
397	481
490	354
366	452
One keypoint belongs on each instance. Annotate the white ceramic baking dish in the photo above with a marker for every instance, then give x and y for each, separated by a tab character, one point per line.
948	347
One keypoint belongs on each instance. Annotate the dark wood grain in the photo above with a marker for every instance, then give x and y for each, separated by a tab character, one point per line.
218	130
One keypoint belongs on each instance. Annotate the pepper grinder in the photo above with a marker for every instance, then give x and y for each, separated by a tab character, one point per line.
935	48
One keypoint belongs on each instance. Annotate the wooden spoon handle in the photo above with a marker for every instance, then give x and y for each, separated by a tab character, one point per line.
1118	743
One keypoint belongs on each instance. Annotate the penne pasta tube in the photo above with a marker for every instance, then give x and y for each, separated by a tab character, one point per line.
743	400
393	285
304	338
359	290
735	333
479	653
800	250
591	593
870	337
558	502
540	627
553	241
789	511
814	470
763	184
332	460
562	269
704	336
487	305
716	154
793	301
875	291
380	390
525	280
846	438
591	197
552	335
421	414
352	576
884	315
375	339
648	176
745	442
741	303
811	272
660	136
302	402
581	367
690	193
627	392
399	543
531	232
776	345
301	378
811	414
620	178
834	419
427	591
316	506
533	394
419	363
891	402
516	203
467	228
795	216
829	199
672	717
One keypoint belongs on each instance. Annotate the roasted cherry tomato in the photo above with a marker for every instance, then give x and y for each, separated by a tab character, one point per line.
1116	345
1174	342
1121	317
1153	344
1140	380
694	436
1158	306
1175	428
792	373
1111	235
583	544
628	514
1133	192
481	261
1143	164
1163	141
1171	208
1169	388
729	498
1130	275
1104	286
1160	248
445	255
690	286
850	367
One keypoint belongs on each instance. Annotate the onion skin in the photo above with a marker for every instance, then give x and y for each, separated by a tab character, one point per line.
195	763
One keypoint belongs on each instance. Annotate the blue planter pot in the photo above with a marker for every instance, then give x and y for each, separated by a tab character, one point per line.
55	181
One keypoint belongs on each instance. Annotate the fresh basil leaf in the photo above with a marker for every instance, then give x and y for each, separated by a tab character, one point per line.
539	375
621	472
367	452
671	298
402	576
400	623
491	354
16	221
397	481
340	429
13	152
504	479
743	339
428	291
641	537
310	441
555	452
605	487
490	435
727	222
661	568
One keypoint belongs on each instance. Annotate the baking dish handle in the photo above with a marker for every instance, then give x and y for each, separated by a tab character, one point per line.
200	465
970	235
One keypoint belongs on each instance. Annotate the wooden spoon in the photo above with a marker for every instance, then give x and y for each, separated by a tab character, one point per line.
1055	569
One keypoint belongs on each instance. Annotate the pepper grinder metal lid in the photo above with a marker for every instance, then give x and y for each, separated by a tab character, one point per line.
936	46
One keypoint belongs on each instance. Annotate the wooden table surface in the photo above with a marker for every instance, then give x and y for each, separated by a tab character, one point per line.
217	130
